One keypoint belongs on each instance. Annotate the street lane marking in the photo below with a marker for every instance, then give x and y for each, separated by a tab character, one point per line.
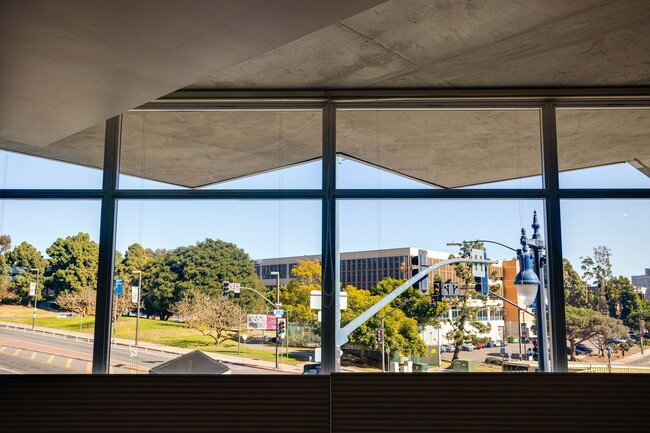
17	352
33	355
49	360
89	366
68	363
3	349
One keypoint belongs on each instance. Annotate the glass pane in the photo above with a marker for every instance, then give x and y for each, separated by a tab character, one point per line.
389	149
446	323
186	255
221	150
604	148
74	162
606	284
49	254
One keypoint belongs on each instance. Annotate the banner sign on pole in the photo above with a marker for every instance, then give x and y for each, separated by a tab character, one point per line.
134	294
119	286
265	322
32	289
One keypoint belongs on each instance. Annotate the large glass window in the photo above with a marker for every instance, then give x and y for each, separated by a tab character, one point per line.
431	149
438	324
204	305
604	148
606	282
49	257
74	162
232	149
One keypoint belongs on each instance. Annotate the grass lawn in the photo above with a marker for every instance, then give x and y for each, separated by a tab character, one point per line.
173	334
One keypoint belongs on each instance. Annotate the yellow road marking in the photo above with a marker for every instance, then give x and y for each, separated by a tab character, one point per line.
110	370
68	363
17	352
49	360
33	355
3	349
89	366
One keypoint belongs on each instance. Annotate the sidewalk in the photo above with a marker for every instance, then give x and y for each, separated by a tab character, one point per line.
154	348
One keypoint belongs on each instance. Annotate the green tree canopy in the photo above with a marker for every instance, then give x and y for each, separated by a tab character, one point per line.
73	263
202	268
28	257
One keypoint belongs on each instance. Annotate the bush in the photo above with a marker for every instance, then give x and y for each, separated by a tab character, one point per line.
493	360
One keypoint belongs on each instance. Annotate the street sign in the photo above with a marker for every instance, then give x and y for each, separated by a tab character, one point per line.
134	294
133	352
32	289
278	312
119	286
450	289
235	287
478	269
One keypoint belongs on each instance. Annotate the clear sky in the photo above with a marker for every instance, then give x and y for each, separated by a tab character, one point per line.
267	229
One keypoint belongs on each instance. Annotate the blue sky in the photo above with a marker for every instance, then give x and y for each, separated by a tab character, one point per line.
292	227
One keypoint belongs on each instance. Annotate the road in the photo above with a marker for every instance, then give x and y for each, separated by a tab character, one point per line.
27	353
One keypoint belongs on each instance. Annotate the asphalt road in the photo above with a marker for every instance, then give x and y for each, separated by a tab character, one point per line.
27	353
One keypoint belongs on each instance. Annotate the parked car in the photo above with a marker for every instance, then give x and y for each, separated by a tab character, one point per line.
584	348
578	351
65	315
500	343
468	347
446	348
615	341
634	337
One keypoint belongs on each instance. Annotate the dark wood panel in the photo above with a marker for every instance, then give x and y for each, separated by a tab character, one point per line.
487	403
236	404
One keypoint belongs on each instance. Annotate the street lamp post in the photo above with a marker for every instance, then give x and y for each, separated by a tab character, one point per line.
277	322
383	334
38	271
137	317
536	243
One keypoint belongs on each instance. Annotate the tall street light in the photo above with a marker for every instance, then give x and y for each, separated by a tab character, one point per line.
38	271
137	317
536	244
277	322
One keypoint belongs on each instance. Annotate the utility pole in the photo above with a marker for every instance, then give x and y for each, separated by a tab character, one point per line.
137	317
38	271
277	321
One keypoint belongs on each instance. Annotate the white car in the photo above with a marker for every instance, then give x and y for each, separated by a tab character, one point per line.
65	315
467	347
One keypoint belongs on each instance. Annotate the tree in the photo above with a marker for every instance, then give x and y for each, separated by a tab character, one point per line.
73	263
28	257
580	326
598	271
295	296
629	299
212	316
202	267
575	290
642	313
82	303
606	329
5	245
465	327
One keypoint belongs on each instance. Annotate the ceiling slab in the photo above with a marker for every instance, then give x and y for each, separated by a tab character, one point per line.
69	64
451	43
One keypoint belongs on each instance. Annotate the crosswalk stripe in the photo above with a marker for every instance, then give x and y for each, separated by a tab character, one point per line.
89	366
17	352
3	349
33	355
49	360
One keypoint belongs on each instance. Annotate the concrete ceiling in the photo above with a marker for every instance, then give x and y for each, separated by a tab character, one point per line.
66	67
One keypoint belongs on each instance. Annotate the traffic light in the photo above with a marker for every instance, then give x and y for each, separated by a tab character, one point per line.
281	328
379	336
418	263
437	292
226	288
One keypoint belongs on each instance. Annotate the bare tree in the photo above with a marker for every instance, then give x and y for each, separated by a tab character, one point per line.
82	303
215	317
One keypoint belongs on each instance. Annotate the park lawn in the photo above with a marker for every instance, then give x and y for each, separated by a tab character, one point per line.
163	332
